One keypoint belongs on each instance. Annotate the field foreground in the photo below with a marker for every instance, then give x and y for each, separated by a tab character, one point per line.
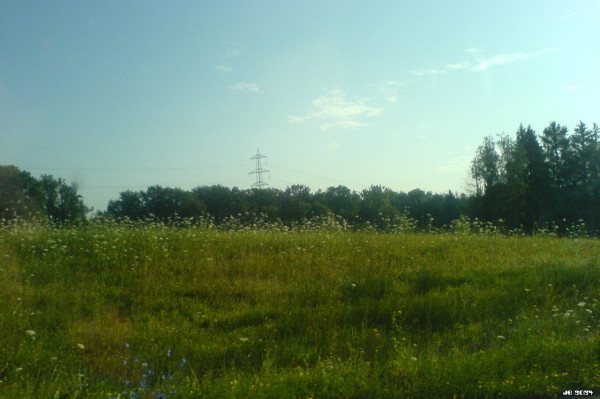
154	312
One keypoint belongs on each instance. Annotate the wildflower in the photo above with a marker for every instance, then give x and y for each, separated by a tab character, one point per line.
31	333
589	310
413	358
501	337
243	339
81	346
581	304
567	315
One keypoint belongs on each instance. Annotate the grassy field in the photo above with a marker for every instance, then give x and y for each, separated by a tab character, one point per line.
148	311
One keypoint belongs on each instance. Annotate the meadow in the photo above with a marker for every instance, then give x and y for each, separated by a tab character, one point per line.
145	310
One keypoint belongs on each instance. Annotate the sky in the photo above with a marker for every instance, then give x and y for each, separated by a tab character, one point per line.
123	95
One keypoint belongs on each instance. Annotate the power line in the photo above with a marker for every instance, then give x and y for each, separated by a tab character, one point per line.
142	186
316	176
138	169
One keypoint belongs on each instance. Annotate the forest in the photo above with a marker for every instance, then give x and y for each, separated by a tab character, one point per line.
526	183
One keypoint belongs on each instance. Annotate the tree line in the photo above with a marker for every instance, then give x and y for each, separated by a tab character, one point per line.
376	204
524	182
25	197
532	180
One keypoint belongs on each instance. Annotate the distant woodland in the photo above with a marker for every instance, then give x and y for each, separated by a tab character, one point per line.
527	182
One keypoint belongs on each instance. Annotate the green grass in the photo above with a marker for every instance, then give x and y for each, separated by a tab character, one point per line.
154	312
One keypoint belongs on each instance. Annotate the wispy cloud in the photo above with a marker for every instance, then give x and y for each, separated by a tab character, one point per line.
573	88
387	91
223	68
482	64
336	110
245	86
502	59
460	65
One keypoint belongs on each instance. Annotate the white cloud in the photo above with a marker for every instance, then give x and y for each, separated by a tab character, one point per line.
483	64
573	88
502	59
336	110
245	86
460	65
388	90
223	68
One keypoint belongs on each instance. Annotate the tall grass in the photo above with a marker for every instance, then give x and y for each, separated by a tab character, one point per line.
144	310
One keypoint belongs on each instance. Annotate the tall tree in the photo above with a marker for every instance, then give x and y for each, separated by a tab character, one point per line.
485	168
585	147
62	202
536	176
21	195
557	152
129	204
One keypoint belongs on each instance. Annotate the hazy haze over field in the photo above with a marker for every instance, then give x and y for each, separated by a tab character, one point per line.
124	95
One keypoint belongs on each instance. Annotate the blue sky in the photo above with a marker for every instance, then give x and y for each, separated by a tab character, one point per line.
117	95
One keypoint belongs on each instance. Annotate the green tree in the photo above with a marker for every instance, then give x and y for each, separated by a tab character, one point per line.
295	203
62	202
342	201
221	201
129	204
557	152
485	167
585	147
21	195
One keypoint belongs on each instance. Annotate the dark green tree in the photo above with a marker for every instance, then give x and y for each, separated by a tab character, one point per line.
21	195
62	202
130	204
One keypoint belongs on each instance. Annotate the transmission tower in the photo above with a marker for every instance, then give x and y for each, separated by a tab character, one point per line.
259	171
